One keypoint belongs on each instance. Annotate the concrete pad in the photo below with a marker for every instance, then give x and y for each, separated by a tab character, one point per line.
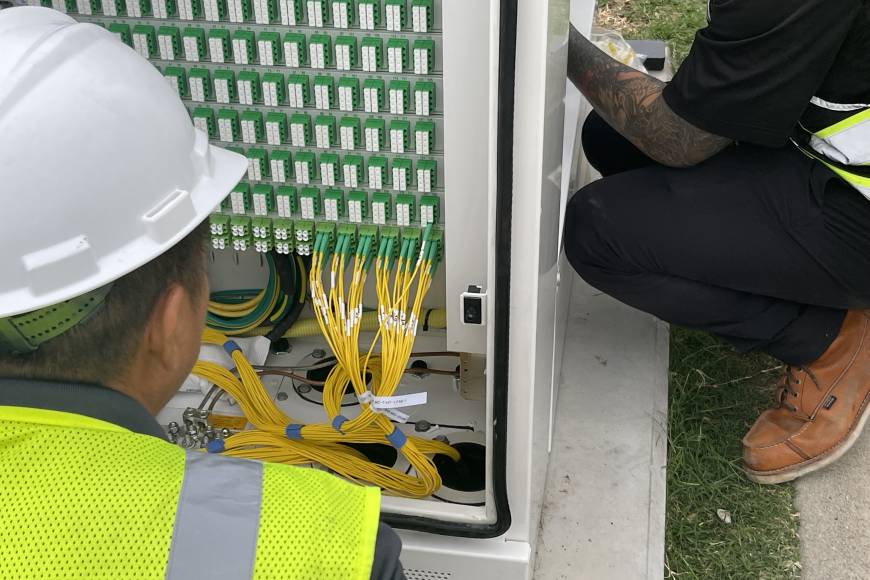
834	507
604	513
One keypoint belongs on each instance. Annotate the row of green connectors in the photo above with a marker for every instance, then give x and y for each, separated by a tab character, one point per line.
351	171
245	47
321	131
338	14
332	204
285	236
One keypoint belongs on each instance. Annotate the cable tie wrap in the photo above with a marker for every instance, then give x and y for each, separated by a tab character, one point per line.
232	346
397	439
294	431
338	422
215	446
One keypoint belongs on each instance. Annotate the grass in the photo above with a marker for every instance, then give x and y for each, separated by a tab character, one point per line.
715	395
674	21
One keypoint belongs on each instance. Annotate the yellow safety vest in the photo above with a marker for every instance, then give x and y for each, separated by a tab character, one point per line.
844	146
82	498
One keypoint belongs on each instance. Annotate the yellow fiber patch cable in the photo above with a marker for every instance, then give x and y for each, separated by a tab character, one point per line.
269	442
403	276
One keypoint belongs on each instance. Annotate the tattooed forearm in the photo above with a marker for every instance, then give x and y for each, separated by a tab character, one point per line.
631	102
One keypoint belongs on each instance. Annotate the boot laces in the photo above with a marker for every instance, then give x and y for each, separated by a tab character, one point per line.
790	386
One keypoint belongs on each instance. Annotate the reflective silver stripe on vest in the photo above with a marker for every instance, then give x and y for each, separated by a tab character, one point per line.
842	107
217	519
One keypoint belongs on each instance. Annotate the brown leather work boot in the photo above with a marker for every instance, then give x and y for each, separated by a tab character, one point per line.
822	410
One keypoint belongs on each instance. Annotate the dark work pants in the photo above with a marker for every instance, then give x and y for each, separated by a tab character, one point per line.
762	247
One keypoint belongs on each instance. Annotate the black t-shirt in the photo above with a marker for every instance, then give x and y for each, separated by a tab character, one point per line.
751	73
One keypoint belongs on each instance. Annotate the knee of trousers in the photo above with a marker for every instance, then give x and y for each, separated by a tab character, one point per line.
588	232
596	136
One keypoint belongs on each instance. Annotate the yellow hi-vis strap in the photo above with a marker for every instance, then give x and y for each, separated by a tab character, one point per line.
846	123
846	142
859	182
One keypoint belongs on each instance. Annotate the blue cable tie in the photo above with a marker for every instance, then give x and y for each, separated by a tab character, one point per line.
397	439
215	446
338	422
230	346
294	431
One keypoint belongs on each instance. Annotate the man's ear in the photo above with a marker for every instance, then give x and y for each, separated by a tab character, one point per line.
162	334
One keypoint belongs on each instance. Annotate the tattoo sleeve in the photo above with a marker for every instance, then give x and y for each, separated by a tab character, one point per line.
631	102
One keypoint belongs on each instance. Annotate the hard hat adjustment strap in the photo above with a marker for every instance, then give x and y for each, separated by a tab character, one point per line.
24	333
11	339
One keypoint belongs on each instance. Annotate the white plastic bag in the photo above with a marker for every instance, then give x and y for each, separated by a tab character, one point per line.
616	46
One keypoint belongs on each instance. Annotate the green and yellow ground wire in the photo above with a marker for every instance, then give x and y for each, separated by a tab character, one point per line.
237	312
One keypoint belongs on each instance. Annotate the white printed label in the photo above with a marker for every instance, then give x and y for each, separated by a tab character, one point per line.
395	401
397	416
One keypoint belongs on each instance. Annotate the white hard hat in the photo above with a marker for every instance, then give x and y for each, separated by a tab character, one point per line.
101	169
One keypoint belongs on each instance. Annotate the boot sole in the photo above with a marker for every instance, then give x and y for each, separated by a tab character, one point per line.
819	462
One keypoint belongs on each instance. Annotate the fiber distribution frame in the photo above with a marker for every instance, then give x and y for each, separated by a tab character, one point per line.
394	132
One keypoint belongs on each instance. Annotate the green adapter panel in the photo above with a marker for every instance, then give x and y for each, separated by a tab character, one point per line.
333	101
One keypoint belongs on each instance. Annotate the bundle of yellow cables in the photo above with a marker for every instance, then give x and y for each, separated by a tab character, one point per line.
277	437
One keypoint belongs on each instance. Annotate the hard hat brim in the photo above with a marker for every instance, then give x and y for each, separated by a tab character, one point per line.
227	169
